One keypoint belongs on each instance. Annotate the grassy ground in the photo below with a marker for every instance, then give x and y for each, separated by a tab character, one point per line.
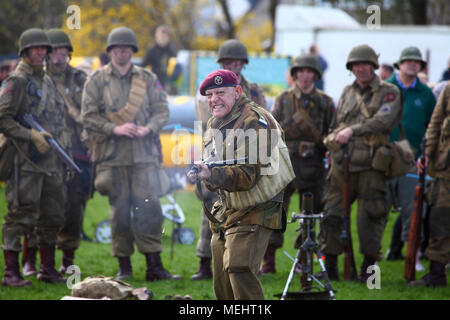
95	259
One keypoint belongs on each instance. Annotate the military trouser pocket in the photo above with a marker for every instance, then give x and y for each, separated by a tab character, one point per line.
239	242
104	181
374	199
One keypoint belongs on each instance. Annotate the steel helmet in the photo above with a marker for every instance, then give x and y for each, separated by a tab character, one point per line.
411	53
33	37
122	36
362	53
307	60
58	38
232	49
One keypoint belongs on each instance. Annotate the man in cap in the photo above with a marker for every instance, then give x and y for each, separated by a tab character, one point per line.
418	105
437	157
305	113
367	112
232	56
35	190
123	109
249	205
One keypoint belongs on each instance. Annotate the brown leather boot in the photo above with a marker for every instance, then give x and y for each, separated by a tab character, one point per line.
204	272
155	269
48	273
12	277
125	269
29	261
269	260
67	260
363	275
435	278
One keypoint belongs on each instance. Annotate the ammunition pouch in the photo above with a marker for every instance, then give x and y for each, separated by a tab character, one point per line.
96	144
395	159
7	153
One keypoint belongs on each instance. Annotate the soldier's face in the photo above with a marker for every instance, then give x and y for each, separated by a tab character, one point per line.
59	57
363	71
221	100
121	55
36	55
304	78
410	67
235	66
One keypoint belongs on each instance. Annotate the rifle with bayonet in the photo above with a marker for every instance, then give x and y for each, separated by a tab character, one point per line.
346	235
415	228
29	120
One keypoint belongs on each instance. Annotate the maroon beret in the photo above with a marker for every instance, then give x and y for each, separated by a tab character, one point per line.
217	79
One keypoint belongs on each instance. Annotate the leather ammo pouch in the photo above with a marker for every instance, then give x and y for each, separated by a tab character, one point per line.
396	158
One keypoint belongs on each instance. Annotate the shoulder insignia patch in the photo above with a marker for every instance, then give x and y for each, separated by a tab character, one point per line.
390	96
262	121
157	85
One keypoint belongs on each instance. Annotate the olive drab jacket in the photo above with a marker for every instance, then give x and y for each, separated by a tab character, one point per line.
437	144
29	90
305	119
107	93
231	182
69	84
372	113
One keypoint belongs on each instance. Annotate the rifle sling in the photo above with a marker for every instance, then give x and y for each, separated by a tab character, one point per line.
133	105
208	213
74	112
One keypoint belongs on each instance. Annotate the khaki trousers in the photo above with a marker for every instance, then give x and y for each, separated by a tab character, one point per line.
237	256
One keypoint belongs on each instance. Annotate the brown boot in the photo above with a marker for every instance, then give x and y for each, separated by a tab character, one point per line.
269	260
155	269
125	269
67	260
29	261
204	272
363	275
48	273
12	277
435	278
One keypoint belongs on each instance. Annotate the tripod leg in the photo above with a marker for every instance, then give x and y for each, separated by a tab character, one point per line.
325	275
291	275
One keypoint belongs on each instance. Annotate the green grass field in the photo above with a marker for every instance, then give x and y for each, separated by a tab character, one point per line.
94	258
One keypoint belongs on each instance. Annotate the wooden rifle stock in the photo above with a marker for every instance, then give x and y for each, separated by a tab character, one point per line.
415	228
346	235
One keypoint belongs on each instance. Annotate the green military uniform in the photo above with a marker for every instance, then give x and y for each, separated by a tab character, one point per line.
372	113
306	149
437	149
35	193
202	113
126	170
240	234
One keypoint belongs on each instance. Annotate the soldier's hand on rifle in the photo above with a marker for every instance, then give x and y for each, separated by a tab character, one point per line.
127	129
344	135
421	166
40	141
201	172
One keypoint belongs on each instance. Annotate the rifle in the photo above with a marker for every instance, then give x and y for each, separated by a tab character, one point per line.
346	235
415	228
195	168
31	122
